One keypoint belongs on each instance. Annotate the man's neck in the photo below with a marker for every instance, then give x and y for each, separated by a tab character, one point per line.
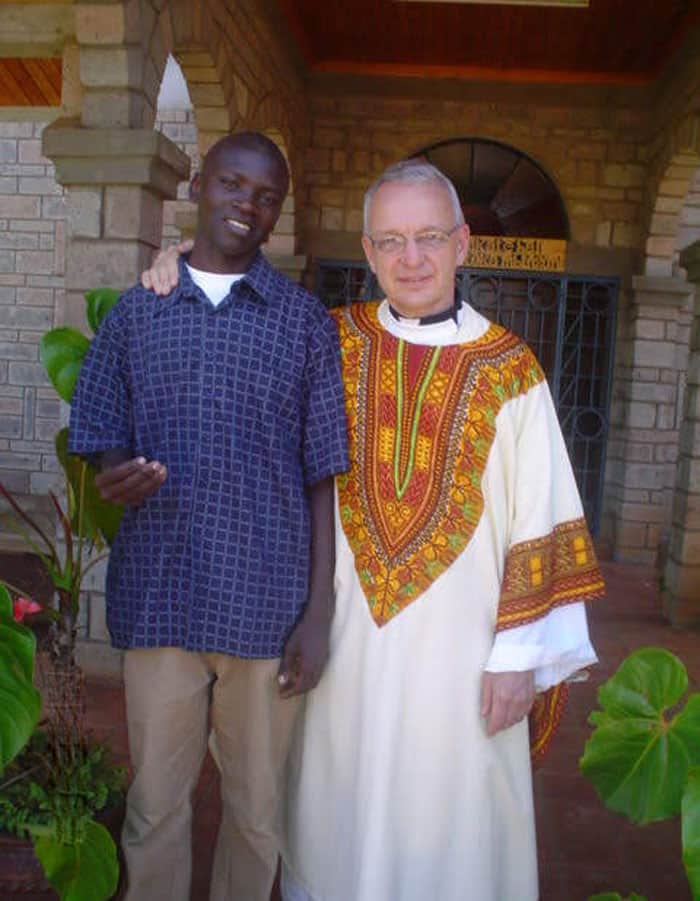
219	264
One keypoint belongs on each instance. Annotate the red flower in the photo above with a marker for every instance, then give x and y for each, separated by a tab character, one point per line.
22	607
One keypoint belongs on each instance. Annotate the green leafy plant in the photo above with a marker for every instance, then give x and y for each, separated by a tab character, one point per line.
20	702
53	778
643	756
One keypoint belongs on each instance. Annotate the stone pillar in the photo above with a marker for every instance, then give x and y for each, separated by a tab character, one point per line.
644	444
681	591
115	180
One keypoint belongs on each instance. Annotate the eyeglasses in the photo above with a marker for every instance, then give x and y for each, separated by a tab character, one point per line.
432	239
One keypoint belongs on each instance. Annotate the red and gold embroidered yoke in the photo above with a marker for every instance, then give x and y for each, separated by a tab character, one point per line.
422	421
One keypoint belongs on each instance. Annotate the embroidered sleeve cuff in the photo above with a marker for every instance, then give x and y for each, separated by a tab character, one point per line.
546	573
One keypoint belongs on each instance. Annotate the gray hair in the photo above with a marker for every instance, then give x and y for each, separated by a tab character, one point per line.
412	172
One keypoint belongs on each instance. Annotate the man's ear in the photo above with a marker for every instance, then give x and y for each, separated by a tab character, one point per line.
369	252
195	186
462	244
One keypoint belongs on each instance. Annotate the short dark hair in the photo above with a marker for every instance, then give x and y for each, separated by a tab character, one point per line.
252	140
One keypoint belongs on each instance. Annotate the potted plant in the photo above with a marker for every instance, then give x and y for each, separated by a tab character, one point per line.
643	756
54	778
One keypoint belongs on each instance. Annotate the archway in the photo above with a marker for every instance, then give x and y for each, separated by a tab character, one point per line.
503	191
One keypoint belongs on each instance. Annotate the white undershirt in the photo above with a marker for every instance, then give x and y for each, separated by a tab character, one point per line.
215	285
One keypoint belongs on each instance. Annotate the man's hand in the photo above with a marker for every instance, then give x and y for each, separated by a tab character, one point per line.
304	655
163	275
131	482
506	698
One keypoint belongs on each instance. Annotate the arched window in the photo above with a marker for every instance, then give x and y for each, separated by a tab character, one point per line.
503	191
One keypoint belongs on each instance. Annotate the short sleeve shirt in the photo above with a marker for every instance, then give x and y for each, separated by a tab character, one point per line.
244	405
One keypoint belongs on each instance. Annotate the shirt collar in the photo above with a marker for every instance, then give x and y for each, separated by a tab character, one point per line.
259	277
450	313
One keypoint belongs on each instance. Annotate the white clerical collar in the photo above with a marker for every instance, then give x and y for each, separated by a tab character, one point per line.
469	326
433	318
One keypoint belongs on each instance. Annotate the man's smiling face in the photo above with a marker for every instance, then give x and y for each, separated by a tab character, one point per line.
240	193
416	280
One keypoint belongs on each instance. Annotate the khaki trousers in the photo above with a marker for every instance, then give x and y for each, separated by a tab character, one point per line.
173	699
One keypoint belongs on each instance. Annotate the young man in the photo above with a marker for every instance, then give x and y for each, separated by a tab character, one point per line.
218	416
462	563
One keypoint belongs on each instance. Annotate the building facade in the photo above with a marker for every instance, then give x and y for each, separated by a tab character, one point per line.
93	178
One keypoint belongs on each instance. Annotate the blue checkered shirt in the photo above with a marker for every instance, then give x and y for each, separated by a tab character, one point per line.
244	405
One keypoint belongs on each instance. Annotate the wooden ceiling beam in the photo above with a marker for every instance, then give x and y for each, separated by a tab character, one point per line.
30	82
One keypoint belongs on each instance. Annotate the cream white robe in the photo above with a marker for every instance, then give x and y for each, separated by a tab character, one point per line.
396	793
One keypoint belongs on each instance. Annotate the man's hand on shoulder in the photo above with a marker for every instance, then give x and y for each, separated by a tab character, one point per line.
506	698
304	655
164	275
131	482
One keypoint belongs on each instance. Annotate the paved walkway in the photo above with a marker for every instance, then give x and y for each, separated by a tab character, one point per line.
584	849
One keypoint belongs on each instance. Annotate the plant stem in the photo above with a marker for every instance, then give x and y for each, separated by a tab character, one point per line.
19	777
47	561
93	563
78	575
30	521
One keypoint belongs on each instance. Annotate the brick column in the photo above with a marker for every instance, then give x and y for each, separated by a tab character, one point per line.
115	181
681	592
644	440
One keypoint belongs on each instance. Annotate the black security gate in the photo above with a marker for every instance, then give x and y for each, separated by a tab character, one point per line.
568	321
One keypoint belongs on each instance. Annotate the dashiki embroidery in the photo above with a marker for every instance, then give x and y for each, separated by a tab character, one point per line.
421	422
547	572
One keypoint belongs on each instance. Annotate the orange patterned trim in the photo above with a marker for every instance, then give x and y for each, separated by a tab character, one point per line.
559	568
418	448
545	718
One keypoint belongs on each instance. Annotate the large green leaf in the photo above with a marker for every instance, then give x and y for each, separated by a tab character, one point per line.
85	871
98	303
100	518
690	819
62	351
639	753
20	702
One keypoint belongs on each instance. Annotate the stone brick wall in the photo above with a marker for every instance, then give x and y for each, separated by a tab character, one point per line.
689	219
32	240
179	125
594	149
646	416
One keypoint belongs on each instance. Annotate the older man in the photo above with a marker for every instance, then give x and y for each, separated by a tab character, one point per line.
462	561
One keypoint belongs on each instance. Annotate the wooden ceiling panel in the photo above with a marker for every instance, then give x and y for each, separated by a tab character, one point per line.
30	82
613	39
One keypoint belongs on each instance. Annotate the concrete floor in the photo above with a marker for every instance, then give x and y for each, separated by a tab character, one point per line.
583	848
